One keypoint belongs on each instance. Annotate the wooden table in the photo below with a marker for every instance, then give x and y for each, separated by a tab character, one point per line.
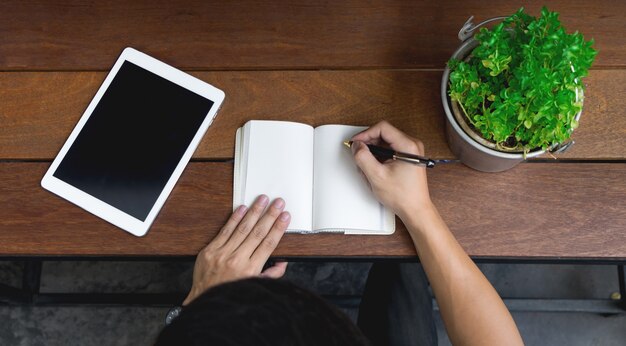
348	62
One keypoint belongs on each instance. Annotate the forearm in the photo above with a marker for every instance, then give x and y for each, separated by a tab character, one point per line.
471	309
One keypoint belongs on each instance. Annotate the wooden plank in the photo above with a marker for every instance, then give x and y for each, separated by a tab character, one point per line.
196	34
536	210
39	109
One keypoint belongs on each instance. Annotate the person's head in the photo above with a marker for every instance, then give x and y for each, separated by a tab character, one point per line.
260	312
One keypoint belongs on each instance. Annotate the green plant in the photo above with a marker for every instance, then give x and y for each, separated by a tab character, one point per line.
519	86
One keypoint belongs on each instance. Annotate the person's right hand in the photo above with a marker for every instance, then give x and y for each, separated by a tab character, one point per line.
398	185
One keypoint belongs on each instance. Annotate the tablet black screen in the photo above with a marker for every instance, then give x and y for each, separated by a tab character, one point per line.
133	141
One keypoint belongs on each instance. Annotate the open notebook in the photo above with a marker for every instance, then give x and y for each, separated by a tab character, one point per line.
313	172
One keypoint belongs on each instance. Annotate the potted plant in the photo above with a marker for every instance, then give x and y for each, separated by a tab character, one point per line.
514	91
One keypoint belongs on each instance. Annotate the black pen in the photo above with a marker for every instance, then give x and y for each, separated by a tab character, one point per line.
390	154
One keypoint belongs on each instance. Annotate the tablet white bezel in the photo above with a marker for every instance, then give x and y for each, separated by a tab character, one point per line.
100	208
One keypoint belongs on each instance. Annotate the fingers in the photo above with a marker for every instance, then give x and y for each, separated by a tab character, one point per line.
385	132
242	246
271	240
239	233
262	228
364	159
276	271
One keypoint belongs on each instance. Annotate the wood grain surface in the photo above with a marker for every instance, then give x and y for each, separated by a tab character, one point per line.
197	34
536	210
39	109
348	62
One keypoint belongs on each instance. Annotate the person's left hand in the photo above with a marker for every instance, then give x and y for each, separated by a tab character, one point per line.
242	247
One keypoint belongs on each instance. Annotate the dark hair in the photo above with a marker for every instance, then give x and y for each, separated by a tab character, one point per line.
260	312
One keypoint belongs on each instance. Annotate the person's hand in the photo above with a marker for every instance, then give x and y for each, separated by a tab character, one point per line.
242	247
398	185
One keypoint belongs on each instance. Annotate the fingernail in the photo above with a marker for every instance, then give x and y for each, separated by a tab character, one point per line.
241	210
354	146
263	200
284	216
279	203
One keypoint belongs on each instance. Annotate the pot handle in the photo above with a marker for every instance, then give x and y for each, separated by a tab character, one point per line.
562	147
467	30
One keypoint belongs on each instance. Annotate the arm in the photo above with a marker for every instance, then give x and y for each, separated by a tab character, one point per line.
471	309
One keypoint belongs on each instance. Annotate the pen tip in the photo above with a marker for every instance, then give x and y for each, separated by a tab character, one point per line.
347	143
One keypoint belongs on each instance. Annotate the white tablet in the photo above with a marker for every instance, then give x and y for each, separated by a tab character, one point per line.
131	145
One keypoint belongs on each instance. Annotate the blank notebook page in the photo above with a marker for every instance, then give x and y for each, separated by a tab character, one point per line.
279	164
342	199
